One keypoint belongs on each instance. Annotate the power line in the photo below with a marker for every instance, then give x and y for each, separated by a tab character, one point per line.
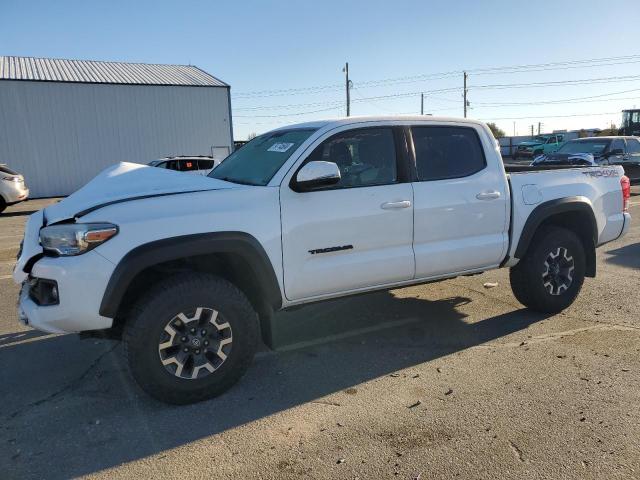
484	87
288	114
584	81
563	65
555	116
564	100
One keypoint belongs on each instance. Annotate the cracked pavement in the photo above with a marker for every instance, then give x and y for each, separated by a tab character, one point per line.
447	380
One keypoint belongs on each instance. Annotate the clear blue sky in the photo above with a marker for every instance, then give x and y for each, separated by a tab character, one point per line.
257	46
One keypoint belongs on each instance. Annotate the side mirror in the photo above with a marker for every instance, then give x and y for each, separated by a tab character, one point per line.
316	175
616	152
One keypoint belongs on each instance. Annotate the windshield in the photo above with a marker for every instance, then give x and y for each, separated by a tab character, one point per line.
540	139
594	147
259	160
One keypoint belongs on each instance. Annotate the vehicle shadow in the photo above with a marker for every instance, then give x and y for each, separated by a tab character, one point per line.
20	213
627	256
71	404
20	336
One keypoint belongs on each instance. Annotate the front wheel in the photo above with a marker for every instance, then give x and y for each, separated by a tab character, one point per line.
550	276
190	338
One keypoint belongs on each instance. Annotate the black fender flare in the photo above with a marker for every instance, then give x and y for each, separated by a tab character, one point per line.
176	248
546	210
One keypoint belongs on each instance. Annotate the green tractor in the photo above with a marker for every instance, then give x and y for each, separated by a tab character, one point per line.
630	122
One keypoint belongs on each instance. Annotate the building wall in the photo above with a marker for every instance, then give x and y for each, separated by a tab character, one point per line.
60	135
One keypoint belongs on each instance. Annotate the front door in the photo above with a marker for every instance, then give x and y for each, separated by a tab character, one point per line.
461	220
356	234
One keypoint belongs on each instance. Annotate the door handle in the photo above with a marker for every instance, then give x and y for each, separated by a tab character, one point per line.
491	195
395	205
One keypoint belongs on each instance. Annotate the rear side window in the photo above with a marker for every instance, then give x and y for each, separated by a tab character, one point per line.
189	165
205	164
447	152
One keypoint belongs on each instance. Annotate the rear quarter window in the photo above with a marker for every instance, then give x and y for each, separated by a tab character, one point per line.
447	152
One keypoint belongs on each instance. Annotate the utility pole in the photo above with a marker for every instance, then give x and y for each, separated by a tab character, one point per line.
346	73
422	104
465	94
539	123
532	130
514	128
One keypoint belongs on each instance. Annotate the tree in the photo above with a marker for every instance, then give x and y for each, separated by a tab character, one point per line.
609	131
496	130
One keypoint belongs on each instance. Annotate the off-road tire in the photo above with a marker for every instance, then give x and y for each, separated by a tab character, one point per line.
528	276
145	328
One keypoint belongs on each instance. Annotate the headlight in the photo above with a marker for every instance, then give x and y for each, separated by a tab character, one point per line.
71	239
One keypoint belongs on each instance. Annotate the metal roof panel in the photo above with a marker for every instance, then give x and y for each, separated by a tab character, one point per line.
90	71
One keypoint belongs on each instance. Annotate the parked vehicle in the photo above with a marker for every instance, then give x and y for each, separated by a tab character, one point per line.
624	151
538	145
189	270
196	165
12	187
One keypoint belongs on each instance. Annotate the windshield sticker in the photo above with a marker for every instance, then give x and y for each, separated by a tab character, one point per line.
280	147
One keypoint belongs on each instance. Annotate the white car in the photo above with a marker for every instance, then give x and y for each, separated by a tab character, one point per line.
195	165
12	187
189	270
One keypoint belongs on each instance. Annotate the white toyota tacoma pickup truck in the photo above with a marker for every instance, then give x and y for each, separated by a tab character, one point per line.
189	270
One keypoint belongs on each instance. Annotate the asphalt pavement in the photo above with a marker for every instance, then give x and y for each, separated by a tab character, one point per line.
446	380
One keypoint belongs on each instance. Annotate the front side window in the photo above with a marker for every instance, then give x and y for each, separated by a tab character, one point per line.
633	146
447	152
261	158
617	144
365	157
173	165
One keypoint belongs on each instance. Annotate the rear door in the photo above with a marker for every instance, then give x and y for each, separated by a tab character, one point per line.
358	233
460	201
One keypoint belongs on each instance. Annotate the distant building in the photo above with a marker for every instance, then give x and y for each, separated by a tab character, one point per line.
63	121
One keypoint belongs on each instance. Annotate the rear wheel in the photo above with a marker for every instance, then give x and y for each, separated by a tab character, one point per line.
190	338
550	276
3	205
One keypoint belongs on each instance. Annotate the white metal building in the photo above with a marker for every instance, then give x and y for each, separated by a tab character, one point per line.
63	121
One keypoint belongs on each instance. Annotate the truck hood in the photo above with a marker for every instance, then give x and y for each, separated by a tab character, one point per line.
125	182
